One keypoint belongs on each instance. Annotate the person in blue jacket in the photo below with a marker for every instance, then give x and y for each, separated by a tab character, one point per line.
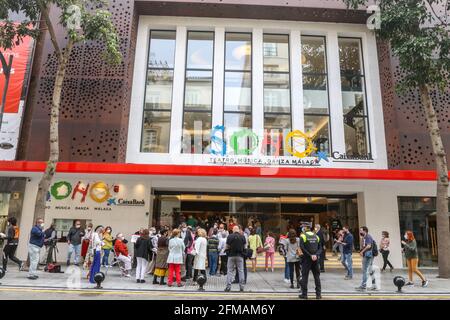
34	247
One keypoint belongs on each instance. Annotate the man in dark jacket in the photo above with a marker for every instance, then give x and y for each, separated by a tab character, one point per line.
235	250
310	245
319	233
37	236
74	239
12	238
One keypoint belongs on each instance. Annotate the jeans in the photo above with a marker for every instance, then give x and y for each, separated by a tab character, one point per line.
105	259
294	266
347	262
286	269
366	268
74	248
33	252
141	268
213	257
233	264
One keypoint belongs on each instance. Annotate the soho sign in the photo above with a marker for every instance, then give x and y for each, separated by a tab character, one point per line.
220	147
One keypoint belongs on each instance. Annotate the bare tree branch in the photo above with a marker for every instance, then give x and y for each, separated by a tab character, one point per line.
51	30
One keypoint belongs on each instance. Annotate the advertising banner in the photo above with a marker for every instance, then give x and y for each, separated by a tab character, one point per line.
12	117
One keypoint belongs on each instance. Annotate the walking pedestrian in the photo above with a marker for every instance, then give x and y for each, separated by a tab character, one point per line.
347	252
107	246
269	248
34	247
213	252
143	255
201	255
175	258
97	244
311	250
367	256
74	241
235	246
384	250
162	254
412	258
12	240
255	243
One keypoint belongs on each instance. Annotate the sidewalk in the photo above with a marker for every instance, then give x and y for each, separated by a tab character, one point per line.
260	282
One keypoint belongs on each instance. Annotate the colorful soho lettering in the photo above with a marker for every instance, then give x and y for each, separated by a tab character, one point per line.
97	186
244	134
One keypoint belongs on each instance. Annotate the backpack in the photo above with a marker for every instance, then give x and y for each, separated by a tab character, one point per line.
53	268
16	232
374	249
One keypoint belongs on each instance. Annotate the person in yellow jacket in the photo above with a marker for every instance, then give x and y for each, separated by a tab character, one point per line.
255	243
107	245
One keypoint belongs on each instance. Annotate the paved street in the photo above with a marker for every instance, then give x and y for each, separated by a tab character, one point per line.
260	285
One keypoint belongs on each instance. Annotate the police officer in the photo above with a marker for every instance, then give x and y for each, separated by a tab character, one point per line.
310	245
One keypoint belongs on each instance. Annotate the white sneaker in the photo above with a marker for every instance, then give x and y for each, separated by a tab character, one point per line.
287	280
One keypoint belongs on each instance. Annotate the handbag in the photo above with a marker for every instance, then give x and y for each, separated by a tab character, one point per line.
266	247
259	250
248	253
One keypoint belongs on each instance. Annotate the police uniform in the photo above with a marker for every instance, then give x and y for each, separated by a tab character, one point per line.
310	245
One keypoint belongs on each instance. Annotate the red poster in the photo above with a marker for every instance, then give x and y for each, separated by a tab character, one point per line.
21	54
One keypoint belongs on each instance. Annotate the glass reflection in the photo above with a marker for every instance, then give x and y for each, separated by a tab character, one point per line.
238	51
162	49
200	50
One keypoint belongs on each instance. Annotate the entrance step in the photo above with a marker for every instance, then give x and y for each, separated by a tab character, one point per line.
331	263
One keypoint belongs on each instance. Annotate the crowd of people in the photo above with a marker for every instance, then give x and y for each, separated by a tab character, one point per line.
188	251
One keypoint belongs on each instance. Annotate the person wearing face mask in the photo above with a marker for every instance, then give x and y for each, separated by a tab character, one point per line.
412	258
86	240
122	254
74	241
12	238
347	250
367	255
107	246
35	244
154	242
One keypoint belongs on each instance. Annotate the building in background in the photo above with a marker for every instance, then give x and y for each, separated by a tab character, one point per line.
250	110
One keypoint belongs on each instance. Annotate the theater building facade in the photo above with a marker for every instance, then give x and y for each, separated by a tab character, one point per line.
244	110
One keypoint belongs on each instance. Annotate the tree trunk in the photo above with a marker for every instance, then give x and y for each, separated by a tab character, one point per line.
442	219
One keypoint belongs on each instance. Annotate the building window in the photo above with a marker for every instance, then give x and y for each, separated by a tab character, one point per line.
198	92
277	93
158	92
238	83
357	142
315	92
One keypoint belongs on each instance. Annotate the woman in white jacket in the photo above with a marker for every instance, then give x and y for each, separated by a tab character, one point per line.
200	256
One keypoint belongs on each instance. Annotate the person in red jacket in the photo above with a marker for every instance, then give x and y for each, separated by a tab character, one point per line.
121	251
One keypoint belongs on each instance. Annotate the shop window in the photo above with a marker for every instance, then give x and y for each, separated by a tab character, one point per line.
158	93
418	214
198	92
238	83
4	208
277	90
357	140
315	92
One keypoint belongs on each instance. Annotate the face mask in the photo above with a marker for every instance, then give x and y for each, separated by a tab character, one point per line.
42	226
406	237
184	229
